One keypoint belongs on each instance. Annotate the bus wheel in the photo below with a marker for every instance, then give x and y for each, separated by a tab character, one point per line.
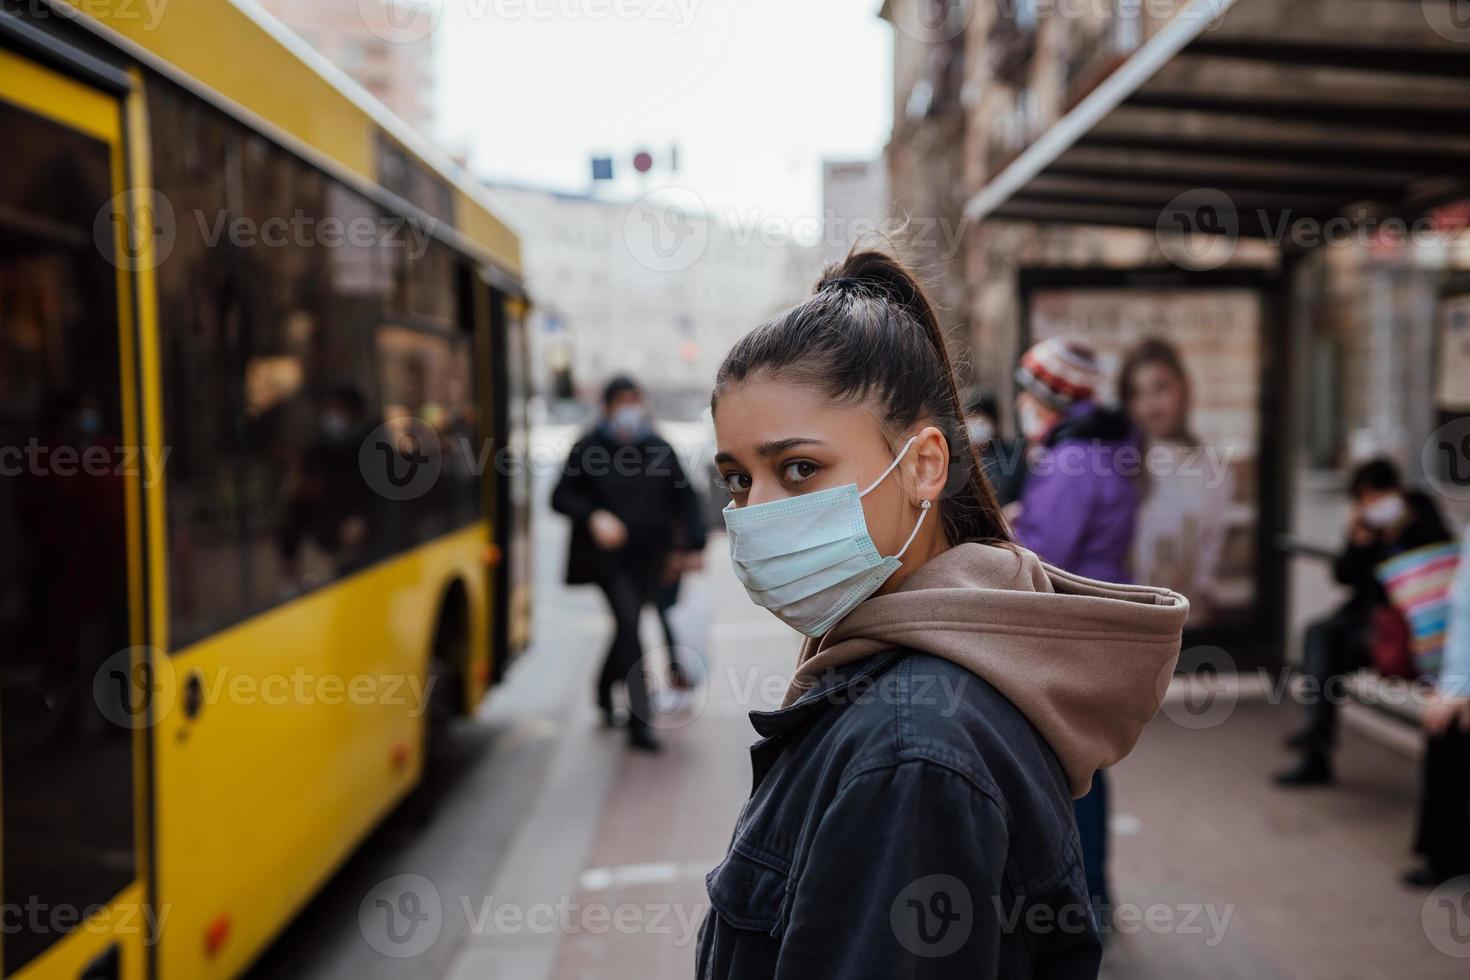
442	684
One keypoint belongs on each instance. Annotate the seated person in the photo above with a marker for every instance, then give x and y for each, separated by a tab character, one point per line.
1386	520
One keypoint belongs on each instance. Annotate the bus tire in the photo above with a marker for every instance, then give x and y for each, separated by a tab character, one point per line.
444	686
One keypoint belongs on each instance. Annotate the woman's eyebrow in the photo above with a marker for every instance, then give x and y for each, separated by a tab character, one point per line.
773	448
777	446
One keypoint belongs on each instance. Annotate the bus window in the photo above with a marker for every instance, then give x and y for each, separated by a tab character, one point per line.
427	375
277	370
66	771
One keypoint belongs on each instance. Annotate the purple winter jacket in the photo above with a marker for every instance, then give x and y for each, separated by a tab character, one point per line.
1081	494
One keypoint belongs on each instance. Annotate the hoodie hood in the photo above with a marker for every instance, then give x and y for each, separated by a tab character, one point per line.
1086	662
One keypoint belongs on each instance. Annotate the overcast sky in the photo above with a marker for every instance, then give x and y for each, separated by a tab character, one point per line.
754	92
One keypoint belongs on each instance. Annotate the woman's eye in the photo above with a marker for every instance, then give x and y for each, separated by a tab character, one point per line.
798	471
735	482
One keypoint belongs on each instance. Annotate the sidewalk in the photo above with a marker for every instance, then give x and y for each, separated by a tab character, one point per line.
1216	873
1311	876
616	846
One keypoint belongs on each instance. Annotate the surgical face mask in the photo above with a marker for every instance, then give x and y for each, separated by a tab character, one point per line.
1032	420
335	425
1385	511
628	423
89	422
809	559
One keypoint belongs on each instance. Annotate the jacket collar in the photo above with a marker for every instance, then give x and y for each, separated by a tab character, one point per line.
824	695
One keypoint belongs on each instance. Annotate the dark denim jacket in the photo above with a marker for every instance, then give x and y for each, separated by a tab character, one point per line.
906	821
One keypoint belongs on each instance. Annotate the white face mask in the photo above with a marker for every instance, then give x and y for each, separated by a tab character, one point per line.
629	423
1032	420
809	559
1385	512
980	431
335	425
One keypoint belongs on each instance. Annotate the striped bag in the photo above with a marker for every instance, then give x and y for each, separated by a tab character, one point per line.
1418	585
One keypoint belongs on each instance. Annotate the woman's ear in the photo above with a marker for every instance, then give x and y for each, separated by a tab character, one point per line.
931	464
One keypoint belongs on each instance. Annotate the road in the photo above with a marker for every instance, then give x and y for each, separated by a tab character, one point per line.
521	826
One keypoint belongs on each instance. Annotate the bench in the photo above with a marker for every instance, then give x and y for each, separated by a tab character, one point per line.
1392	698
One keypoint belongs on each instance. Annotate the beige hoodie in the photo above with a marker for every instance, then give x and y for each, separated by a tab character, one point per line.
1086	662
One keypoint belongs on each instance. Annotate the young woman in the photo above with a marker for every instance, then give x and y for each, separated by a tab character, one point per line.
1182	524
911	815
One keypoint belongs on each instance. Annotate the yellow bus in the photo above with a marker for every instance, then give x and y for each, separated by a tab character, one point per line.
261	351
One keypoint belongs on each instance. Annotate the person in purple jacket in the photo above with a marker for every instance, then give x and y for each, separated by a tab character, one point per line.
1081	493
1076	510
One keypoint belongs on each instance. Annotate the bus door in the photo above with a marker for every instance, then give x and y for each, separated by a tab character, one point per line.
72	750
510	394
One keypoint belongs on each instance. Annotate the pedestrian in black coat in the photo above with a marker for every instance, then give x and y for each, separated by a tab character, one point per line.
630	503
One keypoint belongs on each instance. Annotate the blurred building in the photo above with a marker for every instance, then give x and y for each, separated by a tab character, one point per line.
386	46
927	159
1233	177
854	205
658	288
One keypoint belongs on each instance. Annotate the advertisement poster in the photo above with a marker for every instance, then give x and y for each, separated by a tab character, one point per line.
1184	364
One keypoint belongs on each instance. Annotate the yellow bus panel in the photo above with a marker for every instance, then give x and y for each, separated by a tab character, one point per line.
307	730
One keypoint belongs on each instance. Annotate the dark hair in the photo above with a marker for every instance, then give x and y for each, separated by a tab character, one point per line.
619	384
1376	474
1164	354
348	394
979	401
870	331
